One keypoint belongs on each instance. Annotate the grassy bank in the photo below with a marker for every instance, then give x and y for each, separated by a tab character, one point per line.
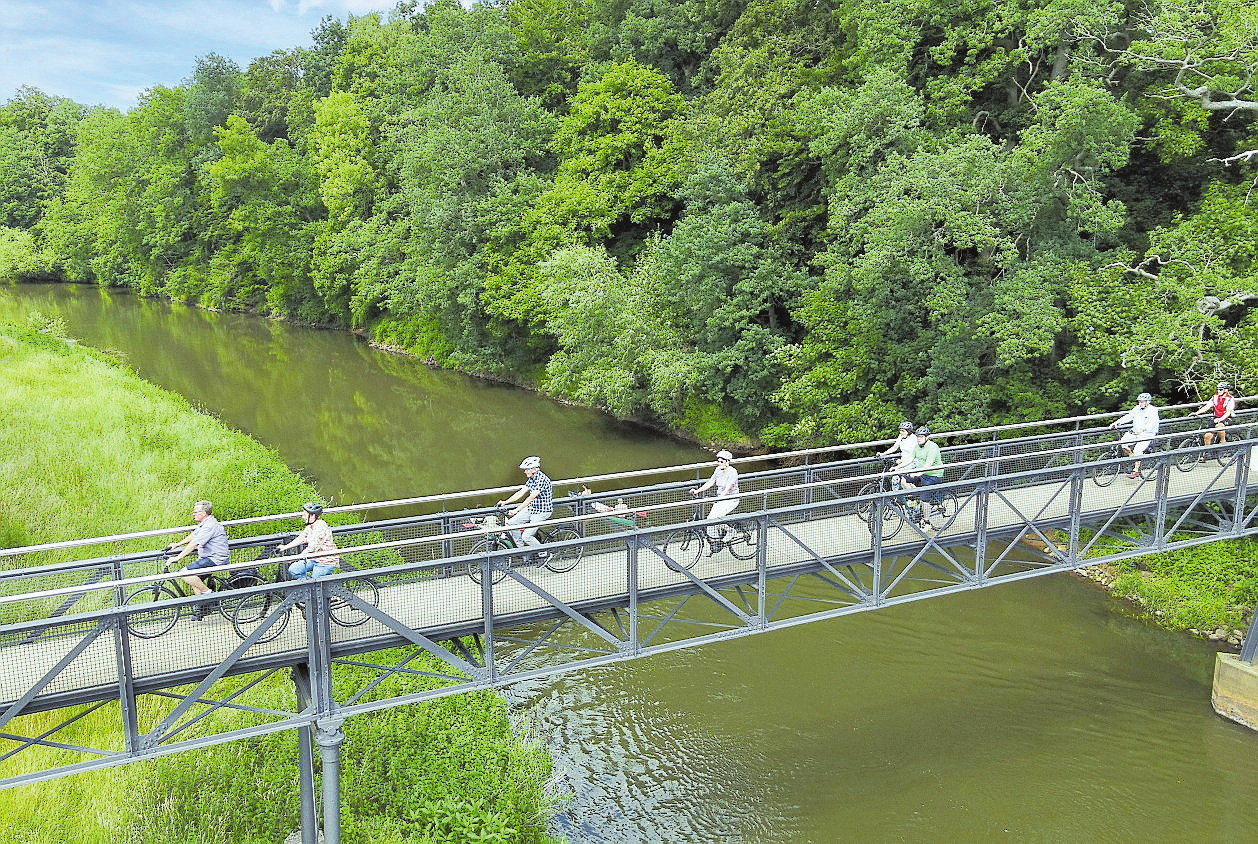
86	449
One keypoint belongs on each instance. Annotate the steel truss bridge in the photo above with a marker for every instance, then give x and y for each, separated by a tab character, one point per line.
1029	502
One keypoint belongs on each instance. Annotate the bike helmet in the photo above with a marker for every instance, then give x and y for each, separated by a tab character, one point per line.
923	431
1144	397
906	426
531	463
724	455
313	508
1224	386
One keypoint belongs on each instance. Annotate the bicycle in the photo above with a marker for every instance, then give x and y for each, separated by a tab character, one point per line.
1220	453
902	508
1104	475
502	538
685	546
252	609
159	620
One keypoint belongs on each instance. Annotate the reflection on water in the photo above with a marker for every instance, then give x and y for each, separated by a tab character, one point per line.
1026	712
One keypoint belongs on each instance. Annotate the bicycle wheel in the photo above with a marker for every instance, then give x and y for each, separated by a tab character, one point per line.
864	508
944	506
227	606
481	549
344	613
160	618
564	559
744	539
1148	470
1187	462
682	549
1104	474
251	610
892	519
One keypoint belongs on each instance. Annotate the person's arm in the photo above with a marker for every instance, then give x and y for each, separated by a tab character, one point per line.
190	543
297	540
528	499
1203	408
1157	420
895	446
1123	420
1229	409
707	485
514	496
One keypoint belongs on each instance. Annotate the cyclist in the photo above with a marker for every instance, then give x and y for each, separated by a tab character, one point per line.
209	540
1223	404
725	479
538	494
317	537
929	461
1143	419
904	445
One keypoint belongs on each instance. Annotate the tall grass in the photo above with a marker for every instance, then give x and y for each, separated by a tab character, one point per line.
87	449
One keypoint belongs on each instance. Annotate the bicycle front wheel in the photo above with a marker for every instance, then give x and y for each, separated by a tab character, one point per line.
251	610
158	618
682	549
744	539
227	606
346	614
1104	475
564	559
864	508
1187	462
892	519
944	505
482	549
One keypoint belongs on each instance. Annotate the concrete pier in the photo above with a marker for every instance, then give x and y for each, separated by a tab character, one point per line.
1235	694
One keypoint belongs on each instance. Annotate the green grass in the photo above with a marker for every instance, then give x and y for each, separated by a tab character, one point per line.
88	449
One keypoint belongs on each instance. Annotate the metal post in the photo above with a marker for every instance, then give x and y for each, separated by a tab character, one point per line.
305	759
329	738
631	572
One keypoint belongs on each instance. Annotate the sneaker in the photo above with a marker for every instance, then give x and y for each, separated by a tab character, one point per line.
199	612
929	525
717	547
542	556
1133	475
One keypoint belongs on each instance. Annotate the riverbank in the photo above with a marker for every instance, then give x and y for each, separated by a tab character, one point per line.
87	448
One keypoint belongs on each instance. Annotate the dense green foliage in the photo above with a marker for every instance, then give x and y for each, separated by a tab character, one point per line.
87	448
778	220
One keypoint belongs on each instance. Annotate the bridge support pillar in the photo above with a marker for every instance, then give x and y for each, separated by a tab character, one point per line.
1235	694
329	740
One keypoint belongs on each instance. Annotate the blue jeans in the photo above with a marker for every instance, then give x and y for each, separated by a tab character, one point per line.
308	568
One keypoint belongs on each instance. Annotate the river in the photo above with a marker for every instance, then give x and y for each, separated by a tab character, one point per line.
1035	711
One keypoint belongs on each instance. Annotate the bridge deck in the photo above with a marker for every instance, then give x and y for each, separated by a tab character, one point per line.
799	541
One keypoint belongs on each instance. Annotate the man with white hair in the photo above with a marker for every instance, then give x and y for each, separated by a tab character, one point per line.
1143	419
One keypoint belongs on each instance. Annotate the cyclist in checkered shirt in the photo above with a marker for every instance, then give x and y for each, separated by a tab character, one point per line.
538	493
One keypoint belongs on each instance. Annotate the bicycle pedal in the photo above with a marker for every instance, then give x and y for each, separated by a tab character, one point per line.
717	547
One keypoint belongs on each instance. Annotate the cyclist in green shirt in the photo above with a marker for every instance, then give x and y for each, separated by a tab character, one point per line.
929	463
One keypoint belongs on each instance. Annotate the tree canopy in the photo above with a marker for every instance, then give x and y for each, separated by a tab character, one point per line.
773	222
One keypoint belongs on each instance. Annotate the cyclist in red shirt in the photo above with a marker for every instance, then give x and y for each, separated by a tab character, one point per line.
1223	404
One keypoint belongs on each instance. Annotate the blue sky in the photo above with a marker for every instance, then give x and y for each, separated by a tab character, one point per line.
107	52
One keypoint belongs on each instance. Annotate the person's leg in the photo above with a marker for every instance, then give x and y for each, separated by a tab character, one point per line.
529	534
320	570
927	497
197	584
1220	434
1136	450
720	510
300	569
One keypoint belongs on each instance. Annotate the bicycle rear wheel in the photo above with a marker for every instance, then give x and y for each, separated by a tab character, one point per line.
346	614
564	559
158	618
744	539
944	505
482	549
682	549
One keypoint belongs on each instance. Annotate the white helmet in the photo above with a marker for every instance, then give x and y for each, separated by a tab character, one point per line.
724	455
531	463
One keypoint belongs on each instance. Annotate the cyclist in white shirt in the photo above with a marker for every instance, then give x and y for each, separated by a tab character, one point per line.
904	447
1143	419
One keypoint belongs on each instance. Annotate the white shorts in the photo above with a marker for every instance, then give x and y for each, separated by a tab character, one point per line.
1141	441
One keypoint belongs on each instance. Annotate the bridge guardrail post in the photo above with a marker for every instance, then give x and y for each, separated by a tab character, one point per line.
127	705
762	567
633	542
875	534
487	605
1249	647
305	758
982	495
1161	485
1243	456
